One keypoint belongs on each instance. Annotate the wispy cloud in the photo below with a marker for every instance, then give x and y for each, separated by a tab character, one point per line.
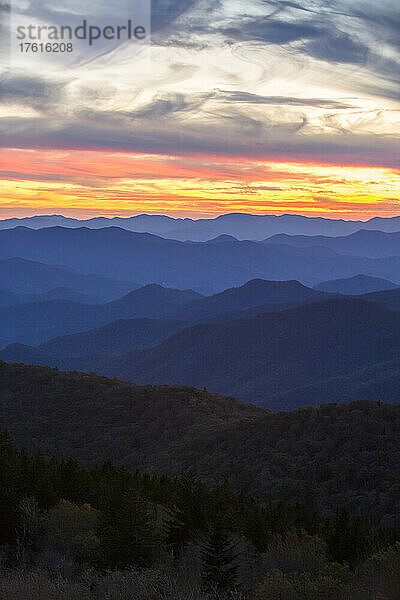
301	83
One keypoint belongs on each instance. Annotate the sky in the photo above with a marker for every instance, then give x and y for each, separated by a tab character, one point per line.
266	107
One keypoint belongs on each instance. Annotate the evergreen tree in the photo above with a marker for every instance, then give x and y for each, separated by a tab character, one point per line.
347	537
127	533
218	555
10	484
186	516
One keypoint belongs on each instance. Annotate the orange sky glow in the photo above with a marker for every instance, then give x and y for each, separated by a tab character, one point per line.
83	183
230	106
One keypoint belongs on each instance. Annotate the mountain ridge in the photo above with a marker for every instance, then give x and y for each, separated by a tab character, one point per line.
37	322
129	256
241	225
25	276
357	285
260	359
369	243
254	293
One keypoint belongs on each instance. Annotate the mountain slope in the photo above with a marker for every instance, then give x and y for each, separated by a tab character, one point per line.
153	301
24	276
130	256
333	456
380	380
152	414
117	337
254	293
373	244
280	360
356	286
261	359
60	293
38	322
389	298
21	353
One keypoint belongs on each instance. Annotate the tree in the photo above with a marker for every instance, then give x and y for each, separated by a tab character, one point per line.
347	538
218	556
186	516
127	533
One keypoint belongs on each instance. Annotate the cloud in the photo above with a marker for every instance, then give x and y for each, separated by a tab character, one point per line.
279	142
169	104
381	19
165	12
267	30
29	90
88	181
321	38
177	104
249	98
260	115
338	47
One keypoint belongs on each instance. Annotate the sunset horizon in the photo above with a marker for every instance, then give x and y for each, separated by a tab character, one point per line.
268	107
23	214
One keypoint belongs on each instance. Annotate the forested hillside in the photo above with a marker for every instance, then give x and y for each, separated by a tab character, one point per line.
324	458
275	358
70	532
280	360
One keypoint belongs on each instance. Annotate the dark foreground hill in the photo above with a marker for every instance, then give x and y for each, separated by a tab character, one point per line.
273	359
334	455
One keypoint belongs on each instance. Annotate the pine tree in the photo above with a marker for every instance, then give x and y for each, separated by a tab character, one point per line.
11	482
218	570
127	533
347	537
187	514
